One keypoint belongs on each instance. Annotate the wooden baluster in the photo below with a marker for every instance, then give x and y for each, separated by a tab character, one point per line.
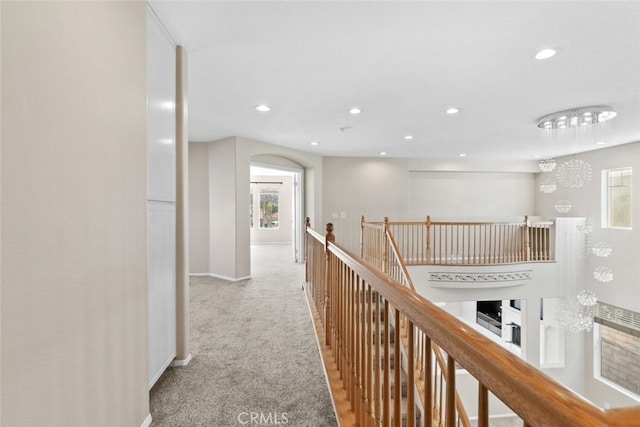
369	358
386	390
397	366
329	238
362	236
377	361
352	342
450	400
483	406
428	225
440	395
526	248
411	373
428	383
385	253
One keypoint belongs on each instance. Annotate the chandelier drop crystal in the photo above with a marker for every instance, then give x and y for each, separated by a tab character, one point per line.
576	117
563	206
603	274
547	165
578	316
601	249
548	186
574	173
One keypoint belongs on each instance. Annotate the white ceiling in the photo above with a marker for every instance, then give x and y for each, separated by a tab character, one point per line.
404	64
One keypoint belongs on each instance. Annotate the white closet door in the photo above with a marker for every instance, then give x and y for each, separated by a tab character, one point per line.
162	288
161	131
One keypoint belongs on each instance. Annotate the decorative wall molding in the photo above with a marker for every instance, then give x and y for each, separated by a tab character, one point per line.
471	277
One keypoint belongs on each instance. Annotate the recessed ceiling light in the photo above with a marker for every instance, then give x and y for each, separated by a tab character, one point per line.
408	137
355	110
263	108
452	110
601	142
383	153
314	142
537	156
545	54
462	155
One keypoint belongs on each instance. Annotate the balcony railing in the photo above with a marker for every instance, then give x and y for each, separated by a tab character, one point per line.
359	308
461	243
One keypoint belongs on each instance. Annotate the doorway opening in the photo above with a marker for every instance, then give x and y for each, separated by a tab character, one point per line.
276	207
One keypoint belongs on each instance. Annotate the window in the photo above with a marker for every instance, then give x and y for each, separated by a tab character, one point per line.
620	358
616	198
269	210
617	353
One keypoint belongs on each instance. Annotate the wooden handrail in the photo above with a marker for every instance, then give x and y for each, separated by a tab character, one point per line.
535	397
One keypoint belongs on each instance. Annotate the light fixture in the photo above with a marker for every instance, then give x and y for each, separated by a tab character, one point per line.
548	186
355	110
452	110
574	173
462	155
383	153
408	137
601	142
601	249
562	206
263	108
547	165
575	117
603	274
545	54
314	142
578	316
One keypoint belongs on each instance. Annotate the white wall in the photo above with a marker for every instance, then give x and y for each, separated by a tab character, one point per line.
228	174
198	208
74	222
623	291
224	241
410	189
495	195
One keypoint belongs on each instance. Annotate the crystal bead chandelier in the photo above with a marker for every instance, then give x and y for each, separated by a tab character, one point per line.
601	249
578	316
562	206
577	117
574	173
603	274
548	186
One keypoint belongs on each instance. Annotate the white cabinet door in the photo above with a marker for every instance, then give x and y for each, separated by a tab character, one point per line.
161	114
161	129
161	288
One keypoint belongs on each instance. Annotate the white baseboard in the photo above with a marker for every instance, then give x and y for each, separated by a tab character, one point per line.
182	362
147	421
218	276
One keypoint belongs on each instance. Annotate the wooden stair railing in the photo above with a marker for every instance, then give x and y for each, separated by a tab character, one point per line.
354	290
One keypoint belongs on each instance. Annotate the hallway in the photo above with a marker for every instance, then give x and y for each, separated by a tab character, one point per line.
254	353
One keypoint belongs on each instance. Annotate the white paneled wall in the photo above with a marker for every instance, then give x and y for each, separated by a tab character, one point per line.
161	198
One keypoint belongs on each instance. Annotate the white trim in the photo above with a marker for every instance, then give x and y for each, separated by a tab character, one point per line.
219	276
147	421
181	362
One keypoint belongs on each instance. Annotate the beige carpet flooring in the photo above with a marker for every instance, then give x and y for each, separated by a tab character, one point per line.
255	355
